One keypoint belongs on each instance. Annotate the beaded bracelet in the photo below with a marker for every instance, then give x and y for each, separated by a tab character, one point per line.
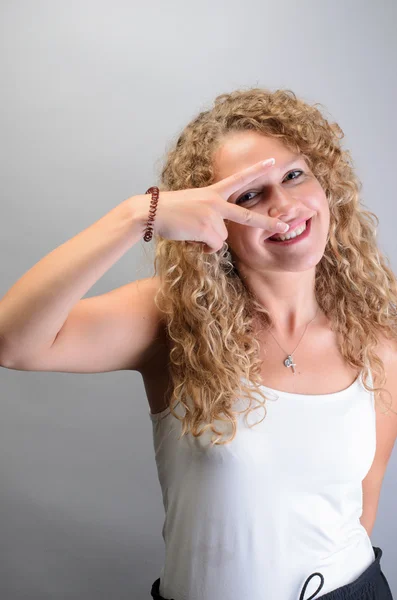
152	212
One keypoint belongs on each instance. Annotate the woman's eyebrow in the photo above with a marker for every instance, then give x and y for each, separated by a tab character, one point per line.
281	168
291	162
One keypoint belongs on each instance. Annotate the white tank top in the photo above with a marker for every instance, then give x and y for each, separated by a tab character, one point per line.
256	517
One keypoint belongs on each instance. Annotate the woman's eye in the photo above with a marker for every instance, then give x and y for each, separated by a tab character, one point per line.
297	171
243	199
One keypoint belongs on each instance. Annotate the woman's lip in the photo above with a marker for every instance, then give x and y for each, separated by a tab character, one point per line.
299	238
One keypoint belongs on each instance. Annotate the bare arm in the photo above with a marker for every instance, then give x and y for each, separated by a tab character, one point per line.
35	308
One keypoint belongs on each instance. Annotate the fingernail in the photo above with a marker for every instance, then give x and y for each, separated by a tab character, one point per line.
269	161
283	227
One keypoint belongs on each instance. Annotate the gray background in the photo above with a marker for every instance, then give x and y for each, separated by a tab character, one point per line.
92	95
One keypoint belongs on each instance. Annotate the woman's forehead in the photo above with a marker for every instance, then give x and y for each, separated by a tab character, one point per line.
242	149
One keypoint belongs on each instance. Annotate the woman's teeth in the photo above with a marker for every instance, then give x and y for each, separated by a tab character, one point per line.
289	236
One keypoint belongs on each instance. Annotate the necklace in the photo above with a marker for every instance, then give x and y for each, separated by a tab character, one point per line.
288	362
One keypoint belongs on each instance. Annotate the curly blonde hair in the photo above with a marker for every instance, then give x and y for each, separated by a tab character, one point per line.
210	313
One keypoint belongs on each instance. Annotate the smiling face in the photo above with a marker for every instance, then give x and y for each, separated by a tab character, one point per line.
287	190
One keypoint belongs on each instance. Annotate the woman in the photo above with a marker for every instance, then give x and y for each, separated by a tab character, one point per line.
253	513
274	498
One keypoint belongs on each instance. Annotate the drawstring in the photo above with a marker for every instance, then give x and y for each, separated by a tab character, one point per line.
302	596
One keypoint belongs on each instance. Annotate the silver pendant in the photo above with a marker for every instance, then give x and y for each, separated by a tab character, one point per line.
290	363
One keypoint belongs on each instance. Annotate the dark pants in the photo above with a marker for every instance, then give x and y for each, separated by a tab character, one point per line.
370	585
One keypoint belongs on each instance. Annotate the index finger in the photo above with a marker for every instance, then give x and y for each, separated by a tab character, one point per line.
226	187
